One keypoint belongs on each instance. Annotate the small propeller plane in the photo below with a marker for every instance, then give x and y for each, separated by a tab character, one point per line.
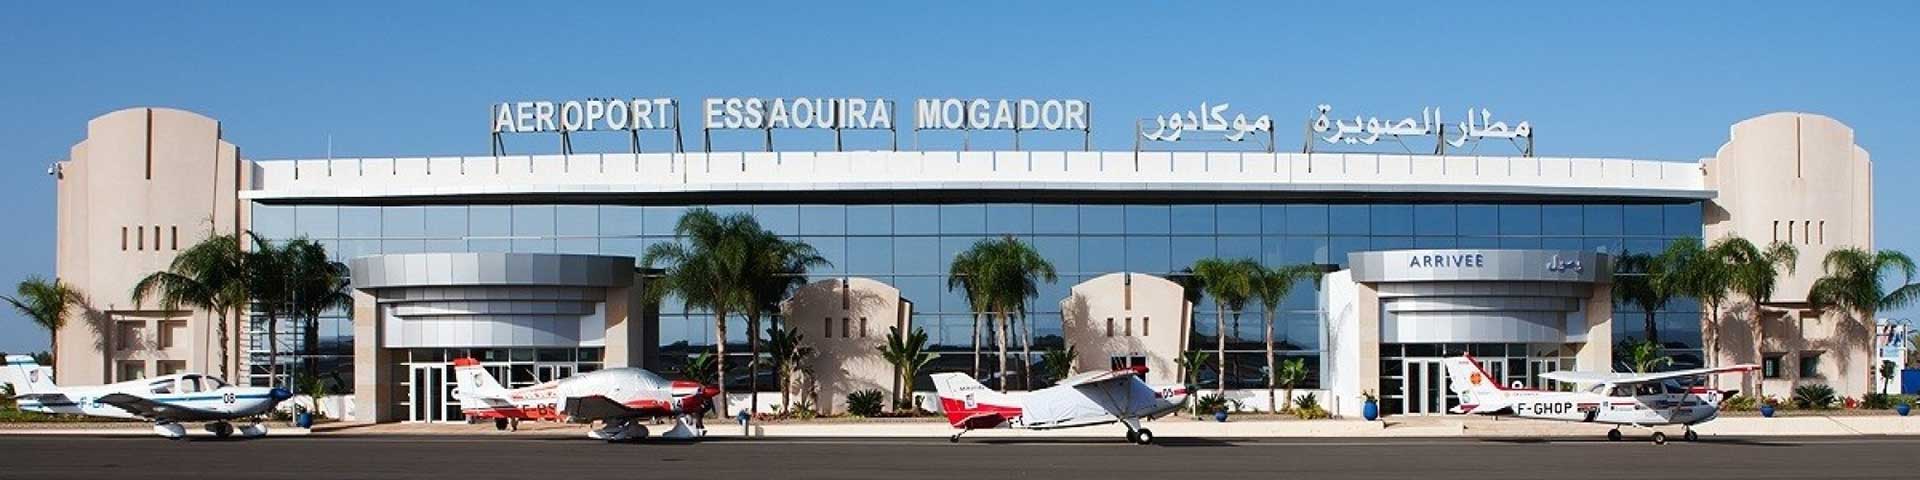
621	399
1091	398
167	400
1640	400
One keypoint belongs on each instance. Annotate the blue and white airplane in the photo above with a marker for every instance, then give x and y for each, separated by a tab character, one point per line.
167	401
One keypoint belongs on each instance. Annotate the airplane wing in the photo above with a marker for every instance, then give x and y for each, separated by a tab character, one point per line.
148	408
597	406
1094	378
1594	378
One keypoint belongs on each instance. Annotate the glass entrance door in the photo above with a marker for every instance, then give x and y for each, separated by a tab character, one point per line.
425	393
1426	387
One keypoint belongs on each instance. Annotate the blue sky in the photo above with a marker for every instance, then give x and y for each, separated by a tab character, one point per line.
1657	80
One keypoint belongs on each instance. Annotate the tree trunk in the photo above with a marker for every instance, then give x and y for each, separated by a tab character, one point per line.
1271	372
1759	348
273	350
1220	346
720	360
220	331
976	344
1001	340
1652	328
1026	352
753	362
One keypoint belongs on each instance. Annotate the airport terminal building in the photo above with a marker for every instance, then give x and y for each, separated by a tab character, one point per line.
527	262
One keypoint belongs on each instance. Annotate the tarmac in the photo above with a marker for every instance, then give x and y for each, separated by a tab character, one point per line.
466	457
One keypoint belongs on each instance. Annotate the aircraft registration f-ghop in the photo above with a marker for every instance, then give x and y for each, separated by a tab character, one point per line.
621	399
167	400
1091	398
1641	400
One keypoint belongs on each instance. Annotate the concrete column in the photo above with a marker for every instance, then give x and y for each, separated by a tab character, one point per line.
1597	354
630	336
1367	302
372	365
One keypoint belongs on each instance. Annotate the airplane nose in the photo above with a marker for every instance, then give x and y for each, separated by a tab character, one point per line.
279	394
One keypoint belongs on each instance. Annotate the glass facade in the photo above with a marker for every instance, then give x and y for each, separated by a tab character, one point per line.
908	246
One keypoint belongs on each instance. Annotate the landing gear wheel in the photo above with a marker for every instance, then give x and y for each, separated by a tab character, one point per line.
1613	435
500	424
1144	437
1133	436
955	438
221	429
1659	438
1691	436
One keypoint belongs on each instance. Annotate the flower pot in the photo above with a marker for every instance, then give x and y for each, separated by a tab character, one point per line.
1766	411
1903	409
303	420
1220	416
1370	410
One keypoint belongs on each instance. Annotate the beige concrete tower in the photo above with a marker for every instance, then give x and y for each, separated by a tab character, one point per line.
144	184
1796	178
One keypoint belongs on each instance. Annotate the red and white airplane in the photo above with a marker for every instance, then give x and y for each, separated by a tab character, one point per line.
1091	398
1641	400
621	399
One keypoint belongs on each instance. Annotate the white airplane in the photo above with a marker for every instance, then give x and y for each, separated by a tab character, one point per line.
621	399
1091	398
1640	400
167	401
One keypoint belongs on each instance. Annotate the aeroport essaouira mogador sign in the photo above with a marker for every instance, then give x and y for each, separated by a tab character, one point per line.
635	114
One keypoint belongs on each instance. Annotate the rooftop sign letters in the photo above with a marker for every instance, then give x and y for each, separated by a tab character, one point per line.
1430	124
585	115
756	113
999	114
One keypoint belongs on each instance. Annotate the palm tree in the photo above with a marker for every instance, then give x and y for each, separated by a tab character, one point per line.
269	280
210	274
1853	282
1633	284
708	272
1057	363
786	349
46	304
1753	273
776	267
967	273
1272	285
1230	283
1688	268
1645	356
1191	292
908	355
1191	361
1291	373
319	284
1014	272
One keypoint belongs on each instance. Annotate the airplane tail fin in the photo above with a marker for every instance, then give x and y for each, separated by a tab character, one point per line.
968	404
26	376
1478	391
473	384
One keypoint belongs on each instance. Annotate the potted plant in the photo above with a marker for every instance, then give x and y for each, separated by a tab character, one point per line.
1902	407
1767	406
301	417
1370	409
1218	404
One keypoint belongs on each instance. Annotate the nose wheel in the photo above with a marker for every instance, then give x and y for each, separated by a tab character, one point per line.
1691	436
1659	438
1614	435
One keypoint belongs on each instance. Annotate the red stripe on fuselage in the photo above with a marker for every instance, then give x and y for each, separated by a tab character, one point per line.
960	416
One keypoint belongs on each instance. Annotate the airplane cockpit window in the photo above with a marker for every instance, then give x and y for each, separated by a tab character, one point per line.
1673	387
190	384
1622	391
214	383
163	387
1647	389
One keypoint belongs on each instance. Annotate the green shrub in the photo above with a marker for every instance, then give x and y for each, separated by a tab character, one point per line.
1813	397
1210	403
1307	407
865	403
1876	401
1740	403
